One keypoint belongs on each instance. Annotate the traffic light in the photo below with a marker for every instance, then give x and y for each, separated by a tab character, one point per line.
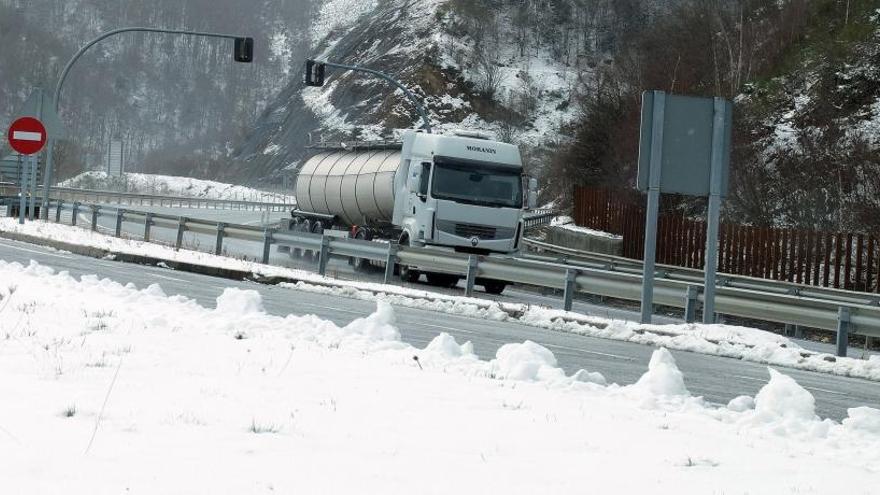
314	73
244	50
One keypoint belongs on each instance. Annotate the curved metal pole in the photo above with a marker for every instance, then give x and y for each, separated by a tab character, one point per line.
126	30
47	175
426	124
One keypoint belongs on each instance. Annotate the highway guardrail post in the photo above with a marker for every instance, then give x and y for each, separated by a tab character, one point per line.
181	228
75	213
120	217
218	244
843	317
95	213
325	253
568	295
390	261
148	224
267	245
691	302
58	209
471	275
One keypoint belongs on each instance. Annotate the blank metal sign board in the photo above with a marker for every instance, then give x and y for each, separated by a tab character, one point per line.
686	144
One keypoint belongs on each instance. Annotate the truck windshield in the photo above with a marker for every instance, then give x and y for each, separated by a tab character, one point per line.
478	185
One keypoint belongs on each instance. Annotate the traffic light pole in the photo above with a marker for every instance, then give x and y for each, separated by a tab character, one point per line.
242	43
426	124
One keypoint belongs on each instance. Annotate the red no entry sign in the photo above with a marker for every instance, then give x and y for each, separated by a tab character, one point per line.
27	135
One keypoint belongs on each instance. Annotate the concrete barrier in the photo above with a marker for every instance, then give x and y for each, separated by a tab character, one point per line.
585	240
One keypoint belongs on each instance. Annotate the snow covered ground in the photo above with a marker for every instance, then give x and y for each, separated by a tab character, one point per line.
567	223
722	340
168	185
110	388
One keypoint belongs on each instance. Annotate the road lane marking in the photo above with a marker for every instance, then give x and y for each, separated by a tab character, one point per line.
597	353
336	309
170	278
762	380
833	392
12	246
815	389
451	329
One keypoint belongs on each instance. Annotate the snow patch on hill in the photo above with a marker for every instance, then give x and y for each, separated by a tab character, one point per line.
537	91
168	185
336	18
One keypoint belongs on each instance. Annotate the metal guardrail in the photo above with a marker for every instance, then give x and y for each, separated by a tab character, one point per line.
842	312
694	276
135	199
538	217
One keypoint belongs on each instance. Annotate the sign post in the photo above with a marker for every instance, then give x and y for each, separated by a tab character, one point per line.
32	183
656	164
22	187
27	136
41	107
684	148
713	216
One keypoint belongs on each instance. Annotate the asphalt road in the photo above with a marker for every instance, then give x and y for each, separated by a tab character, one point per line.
716	379
338	268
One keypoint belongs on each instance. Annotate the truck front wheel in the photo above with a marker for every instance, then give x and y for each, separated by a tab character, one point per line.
494	287
407	274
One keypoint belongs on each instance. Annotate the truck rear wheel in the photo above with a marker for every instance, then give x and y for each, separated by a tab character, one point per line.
442	279
296	226
361	264
315	227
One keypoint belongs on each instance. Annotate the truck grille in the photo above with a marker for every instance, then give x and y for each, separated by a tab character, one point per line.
478	231
467	230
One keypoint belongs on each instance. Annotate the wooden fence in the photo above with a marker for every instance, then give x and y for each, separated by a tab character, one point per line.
830	259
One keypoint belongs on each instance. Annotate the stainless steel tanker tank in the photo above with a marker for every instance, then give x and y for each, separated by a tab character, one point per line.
356	186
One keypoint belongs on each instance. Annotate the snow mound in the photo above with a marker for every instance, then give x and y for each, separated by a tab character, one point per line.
379	326
527	361
784	399
590	377
663	377
237	302
863	420
445	346
742	403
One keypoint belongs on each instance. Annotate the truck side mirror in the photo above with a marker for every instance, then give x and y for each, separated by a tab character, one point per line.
415	178
424	177
533	193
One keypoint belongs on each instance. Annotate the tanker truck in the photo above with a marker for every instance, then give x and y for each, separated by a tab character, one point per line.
459	192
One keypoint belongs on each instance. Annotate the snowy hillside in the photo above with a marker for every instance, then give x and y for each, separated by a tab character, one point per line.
164	96
493	70
172	186
241	401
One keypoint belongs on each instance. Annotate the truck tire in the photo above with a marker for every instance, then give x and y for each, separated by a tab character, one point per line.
295	226
315	227
407	274
494	287
361	264
442	279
